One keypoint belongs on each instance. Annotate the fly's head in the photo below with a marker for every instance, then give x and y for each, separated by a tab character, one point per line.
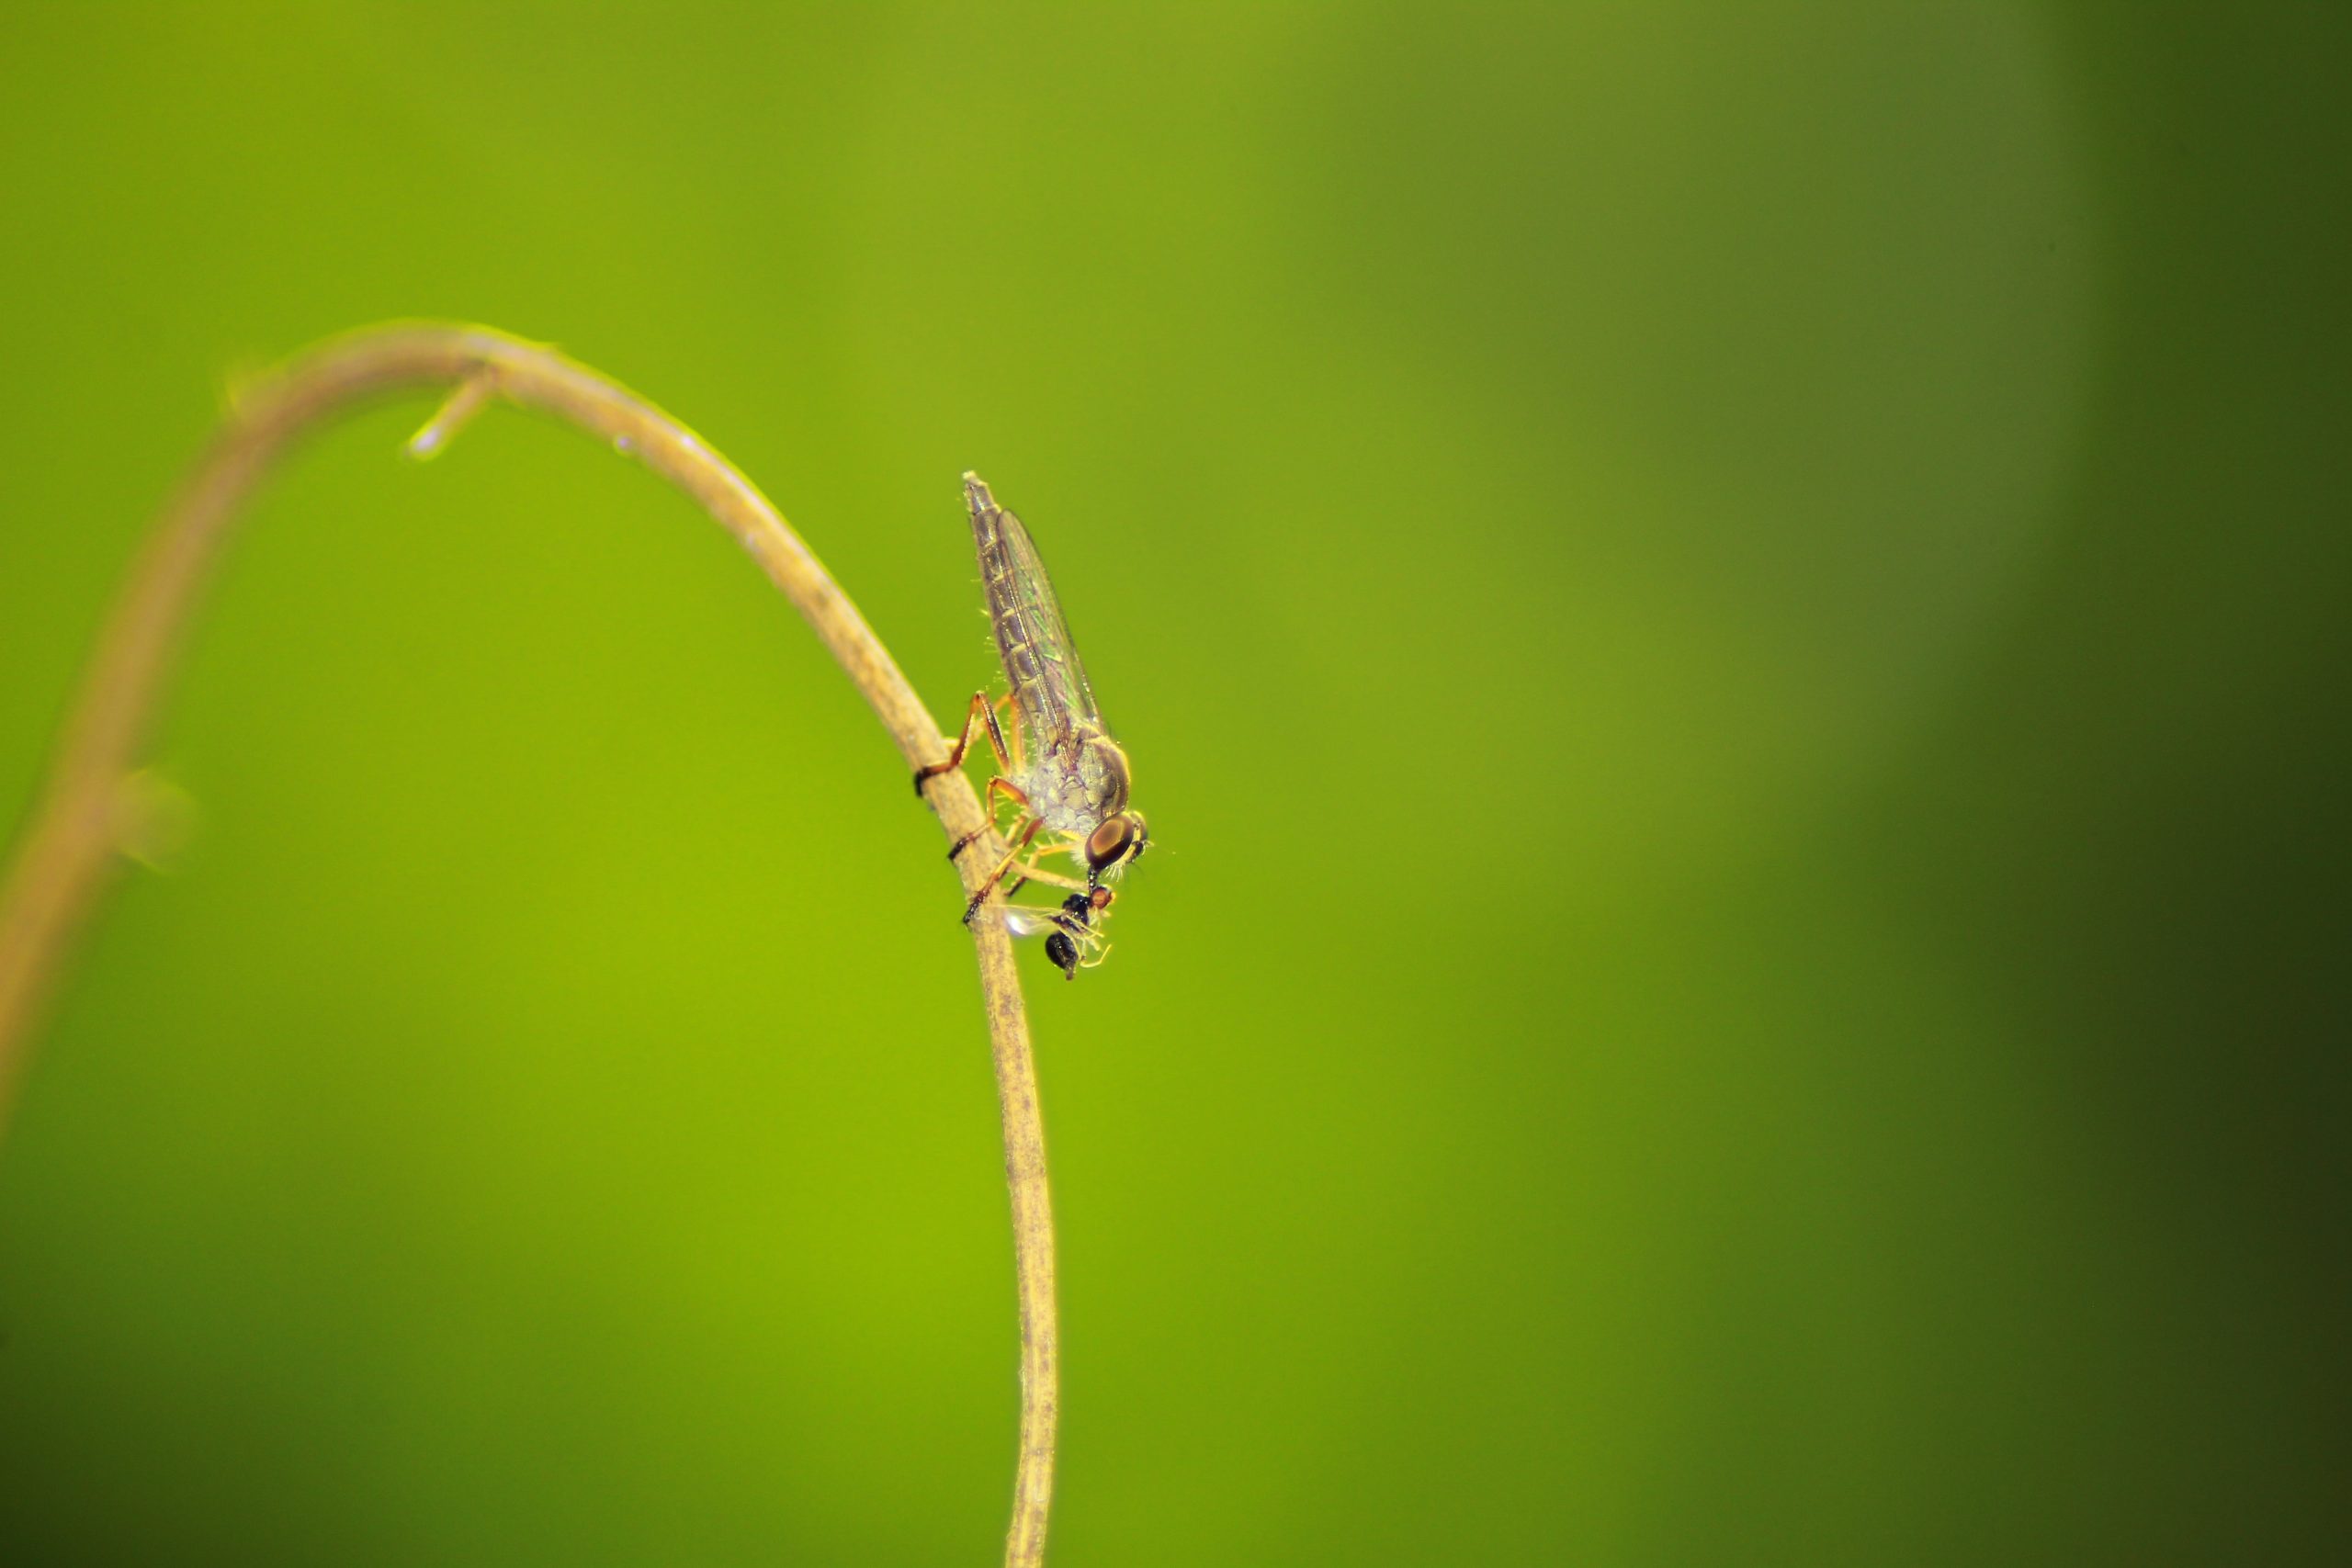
1117	840
1117	834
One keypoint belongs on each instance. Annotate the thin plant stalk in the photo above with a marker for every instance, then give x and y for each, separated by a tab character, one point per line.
87	810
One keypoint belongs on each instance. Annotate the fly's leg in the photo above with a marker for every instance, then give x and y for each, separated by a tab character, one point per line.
1007	788
1020	841
998	785
1031	871
1010	730
980	711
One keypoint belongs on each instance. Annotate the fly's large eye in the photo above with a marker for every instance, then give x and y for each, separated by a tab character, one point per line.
1108	844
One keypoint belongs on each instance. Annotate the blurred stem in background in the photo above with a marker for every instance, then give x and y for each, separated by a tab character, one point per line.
88	812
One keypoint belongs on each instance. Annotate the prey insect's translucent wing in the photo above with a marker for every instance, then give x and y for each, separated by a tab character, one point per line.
1036	919
1040	663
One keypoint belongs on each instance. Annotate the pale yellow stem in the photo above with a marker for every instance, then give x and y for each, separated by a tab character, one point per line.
73	841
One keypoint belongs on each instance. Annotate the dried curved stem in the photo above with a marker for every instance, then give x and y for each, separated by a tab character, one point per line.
70	846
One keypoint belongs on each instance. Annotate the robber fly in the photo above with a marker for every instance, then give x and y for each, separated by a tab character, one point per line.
1060	767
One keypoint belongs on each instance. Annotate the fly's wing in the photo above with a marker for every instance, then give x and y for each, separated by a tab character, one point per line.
1040	663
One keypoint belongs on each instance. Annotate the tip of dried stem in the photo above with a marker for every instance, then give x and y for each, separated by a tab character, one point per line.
460	406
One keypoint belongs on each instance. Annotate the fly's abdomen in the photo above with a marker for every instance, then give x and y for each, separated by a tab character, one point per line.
1024	663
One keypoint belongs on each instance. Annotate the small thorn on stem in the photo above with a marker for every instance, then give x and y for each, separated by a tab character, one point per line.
237	387
463	403
153	819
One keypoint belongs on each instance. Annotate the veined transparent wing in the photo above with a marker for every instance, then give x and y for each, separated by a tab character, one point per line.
1040	663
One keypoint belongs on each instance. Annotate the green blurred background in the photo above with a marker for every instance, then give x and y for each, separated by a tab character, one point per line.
1733	623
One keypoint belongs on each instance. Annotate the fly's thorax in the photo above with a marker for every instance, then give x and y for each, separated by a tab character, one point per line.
1078	781
1103	767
